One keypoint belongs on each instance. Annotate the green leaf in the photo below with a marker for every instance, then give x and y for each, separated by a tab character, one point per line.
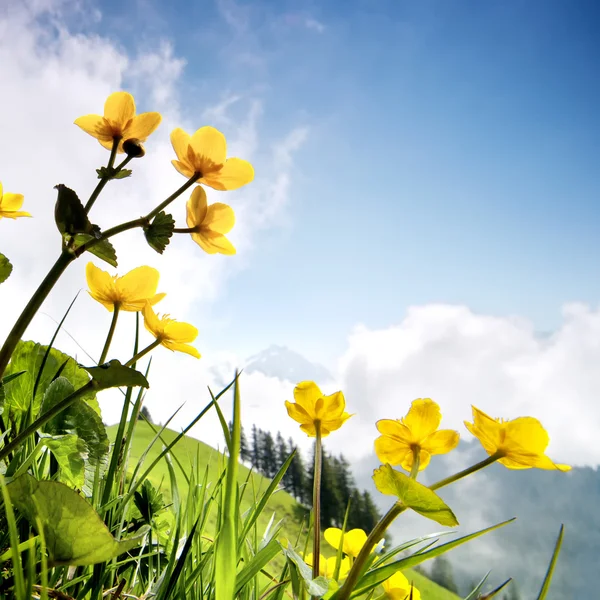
91	444
414	495
104	249
148	502
122	174
28	356
159	231
105	173
69	214
74	533
114	374
5	268
315	587
255	564
548	578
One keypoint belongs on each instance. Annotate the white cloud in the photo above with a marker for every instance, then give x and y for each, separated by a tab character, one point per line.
50	76
314	25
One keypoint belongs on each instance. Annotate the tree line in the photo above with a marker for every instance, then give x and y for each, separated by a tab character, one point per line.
267	453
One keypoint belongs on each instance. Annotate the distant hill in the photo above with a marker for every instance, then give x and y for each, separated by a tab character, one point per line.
541	501
286	365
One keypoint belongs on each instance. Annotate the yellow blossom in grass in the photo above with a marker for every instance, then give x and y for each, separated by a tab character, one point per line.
417	430
312	406
119	121
327	566
522	442
205	153
354	540
397	587
171	334
210	223
10	205
131	292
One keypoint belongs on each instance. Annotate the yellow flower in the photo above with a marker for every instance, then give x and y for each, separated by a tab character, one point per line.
131	291
170	333
521	441
119	121
312	406
10	205
210	223
419	430
327	566
354	540
397	587
205	153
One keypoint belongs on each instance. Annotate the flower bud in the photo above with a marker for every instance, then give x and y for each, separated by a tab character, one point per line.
133	148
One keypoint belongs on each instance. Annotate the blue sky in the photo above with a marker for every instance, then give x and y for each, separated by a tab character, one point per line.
452	155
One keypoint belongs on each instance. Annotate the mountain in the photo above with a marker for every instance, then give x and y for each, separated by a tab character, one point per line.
541	501
285	364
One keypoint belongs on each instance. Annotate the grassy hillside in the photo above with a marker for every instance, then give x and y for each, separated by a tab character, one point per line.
190	452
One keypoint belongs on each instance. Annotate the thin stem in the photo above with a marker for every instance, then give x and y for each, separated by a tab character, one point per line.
32	307
317	501
47	416
189	183
154	344
376	534
111	332
185	230
477	467
104	180
414	471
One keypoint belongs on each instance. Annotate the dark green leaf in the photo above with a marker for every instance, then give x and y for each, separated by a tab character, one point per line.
159	231
104	249
5	268
9	378
28	357
105	173
81	456
69	214
122	174
74	533
114	374
414	495
148	501
315	587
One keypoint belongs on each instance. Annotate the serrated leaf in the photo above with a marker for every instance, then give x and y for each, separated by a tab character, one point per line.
414	495
69	214
5	268
114	374
105	173
159	231
104	249
315	587
74	533
90	449
28	357
122	174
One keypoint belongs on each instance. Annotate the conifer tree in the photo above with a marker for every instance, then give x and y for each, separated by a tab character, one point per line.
245	454
442	574
255	449
268	455
296	474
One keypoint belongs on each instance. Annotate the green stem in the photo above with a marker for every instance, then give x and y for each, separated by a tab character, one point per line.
477	467
414	471
185	230
376	534
111	332
32	307
189	183
47	416
154	344
317	501
104	180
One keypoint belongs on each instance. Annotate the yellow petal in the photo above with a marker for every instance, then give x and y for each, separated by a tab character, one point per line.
151	321
220	218
197	207
397	580
306	394
332	406
296	412
1	192
96	126
119	109
234	174
354	540
309	429
390	450
180	332
14	214
142	126
423	418
210	149
11	201
489	445
183	167
333	536
424	459
440	442
213	243
102	286
526	432
180	141
137	285
185	348
329	425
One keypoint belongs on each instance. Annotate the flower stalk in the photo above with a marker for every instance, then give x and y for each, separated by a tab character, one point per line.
104	180
149	348
317	500
111	332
